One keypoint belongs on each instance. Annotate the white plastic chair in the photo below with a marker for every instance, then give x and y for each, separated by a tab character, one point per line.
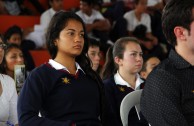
130	100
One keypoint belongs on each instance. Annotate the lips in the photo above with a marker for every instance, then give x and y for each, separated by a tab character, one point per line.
77	46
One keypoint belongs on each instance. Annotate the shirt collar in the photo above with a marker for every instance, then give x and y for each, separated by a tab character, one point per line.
119	81
179	62
59	66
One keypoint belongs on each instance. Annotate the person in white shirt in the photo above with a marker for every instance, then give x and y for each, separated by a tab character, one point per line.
139	17
37	33
96	25
155	4
8	96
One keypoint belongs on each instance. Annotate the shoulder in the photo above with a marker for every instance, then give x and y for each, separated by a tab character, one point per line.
41	72
95	12
109	82
146	16
8	83
164	75
79	12
7	80
45	12
129	14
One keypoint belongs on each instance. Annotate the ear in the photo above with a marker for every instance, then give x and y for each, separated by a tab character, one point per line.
118	60
180	33
55	42
143	74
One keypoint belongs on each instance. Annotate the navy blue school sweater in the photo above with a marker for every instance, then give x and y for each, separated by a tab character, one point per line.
115	94
62	98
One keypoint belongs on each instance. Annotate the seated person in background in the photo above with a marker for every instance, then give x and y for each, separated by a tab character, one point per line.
15	35
96	25
138	17
13	56
155	5
149	64
127	56
8	95
37	33
9	7
94	54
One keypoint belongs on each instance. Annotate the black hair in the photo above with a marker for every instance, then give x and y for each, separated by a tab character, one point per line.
118	49
93	42
12	30
145	59
8	48
176	13
109	64
57	24
89	2
136	1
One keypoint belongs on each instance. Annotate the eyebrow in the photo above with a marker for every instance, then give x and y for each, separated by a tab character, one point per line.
74	30
136	52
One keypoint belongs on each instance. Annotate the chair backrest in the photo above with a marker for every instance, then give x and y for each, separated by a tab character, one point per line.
40	56
21	21
130	100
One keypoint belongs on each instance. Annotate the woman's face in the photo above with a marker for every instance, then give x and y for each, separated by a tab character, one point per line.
57	5
16	39
151	64
71	39
132	58
94	55
141	6
14	57
1	50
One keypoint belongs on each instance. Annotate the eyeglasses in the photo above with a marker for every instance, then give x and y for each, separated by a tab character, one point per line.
3	46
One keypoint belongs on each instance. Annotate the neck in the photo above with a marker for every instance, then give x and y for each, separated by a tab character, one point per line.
138	15
10	73
89	13
128	77
185	53
67	61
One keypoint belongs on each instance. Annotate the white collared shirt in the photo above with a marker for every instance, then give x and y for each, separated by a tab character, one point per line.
119	80
59	66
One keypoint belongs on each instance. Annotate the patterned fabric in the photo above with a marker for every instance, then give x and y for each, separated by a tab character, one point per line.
168	96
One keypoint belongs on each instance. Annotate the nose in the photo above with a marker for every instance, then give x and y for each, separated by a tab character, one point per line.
79	38
1	49
97	57
139	58
20	60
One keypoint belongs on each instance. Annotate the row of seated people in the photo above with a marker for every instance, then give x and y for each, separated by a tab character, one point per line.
66	84
114	76
102	40
108	31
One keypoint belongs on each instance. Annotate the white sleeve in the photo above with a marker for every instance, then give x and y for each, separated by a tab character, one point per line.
44	22
129	18
148	23
13	101
99	15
